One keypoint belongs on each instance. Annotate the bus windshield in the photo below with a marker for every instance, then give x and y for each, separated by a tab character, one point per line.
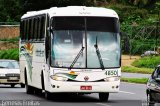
73	34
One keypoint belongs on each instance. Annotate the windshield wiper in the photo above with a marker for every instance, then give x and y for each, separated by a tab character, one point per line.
76	58
2	67
99	55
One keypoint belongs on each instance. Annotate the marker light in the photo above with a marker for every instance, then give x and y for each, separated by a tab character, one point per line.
111	79
58	78
72	73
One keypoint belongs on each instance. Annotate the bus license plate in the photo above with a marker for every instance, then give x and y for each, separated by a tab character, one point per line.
86	87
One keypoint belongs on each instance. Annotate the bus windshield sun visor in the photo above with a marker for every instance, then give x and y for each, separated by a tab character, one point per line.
68	23
104	24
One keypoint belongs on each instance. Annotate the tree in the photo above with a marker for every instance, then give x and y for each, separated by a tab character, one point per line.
142	3
10	10
33	5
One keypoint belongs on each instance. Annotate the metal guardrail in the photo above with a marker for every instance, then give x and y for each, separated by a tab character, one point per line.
148	36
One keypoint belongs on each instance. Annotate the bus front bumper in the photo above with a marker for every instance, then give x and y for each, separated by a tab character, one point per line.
84	87
7	81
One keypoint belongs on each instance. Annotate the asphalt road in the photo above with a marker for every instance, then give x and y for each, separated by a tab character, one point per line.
129	95
135	75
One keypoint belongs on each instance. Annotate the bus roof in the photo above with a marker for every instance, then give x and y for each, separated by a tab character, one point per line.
74	11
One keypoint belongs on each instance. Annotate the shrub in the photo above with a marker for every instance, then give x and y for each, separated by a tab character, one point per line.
10	54
147	62
16	39
132	69
135	80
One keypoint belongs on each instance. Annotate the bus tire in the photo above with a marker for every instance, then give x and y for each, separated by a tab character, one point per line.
38	91
103	97
12	85
42	81
22	85
48	95
29	89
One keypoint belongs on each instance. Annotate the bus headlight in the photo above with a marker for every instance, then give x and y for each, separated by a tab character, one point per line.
2	75
58	78
111	79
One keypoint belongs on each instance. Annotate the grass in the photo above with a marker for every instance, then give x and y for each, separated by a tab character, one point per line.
135	80
132	69
10	39
147	62
10	54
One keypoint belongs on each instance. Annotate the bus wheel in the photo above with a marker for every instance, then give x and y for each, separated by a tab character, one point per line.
103	97
48	95
29	89
22	85
38	91
12	85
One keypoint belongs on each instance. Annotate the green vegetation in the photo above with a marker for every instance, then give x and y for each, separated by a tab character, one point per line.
11	39
140	22
140	46
147	62
10	54
133	15
12	10
135	80
132	69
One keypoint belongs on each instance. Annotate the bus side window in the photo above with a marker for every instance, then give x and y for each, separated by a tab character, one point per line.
42	27
35	29
38	28
29	29
25	37
24	33
47	21
33	33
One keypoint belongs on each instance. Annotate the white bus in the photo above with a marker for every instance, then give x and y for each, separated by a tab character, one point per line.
74	49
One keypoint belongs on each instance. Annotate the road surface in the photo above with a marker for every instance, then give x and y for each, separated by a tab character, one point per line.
129	95
135	75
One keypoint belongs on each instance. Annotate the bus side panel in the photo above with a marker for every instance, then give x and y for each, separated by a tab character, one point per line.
47	72
22	64
25	58
22	69
38	62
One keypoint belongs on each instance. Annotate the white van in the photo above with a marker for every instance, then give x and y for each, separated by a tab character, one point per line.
10	73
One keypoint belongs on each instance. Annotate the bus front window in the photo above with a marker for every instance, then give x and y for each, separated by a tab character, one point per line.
66	45
85	42
109	50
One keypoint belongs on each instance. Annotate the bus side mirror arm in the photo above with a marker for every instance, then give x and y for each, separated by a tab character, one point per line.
50	29
48	51
49	58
